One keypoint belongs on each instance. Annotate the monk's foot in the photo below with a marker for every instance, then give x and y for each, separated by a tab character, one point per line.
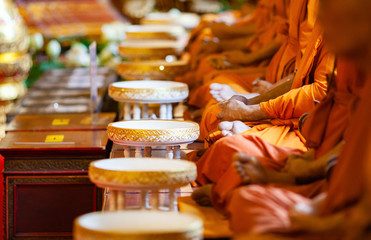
197	115
202	195
221	92
250	169
232	128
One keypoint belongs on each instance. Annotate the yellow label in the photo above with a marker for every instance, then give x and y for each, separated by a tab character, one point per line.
54	138
60	121
86	121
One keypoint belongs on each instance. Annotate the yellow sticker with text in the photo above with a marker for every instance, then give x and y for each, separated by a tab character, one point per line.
86	121
54	138
60	121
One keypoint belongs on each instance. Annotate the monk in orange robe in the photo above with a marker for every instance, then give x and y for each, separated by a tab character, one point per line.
270	19
345	209
324	130
314	68
271	142
301	20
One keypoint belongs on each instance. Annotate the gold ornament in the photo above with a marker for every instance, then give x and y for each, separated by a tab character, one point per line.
152	69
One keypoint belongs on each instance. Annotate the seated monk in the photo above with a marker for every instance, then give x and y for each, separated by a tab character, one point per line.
228	24
271	11
273	141
222	85
344	211
313	69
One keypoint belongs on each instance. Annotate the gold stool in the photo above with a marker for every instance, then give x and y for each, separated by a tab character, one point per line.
132	174
137	225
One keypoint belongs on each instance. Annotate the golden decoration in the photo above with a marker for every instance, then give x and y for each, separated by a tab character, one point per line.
12	90
174	178
171	135
152	69
134	51
13	31
150	94
14	64
157	32
192	230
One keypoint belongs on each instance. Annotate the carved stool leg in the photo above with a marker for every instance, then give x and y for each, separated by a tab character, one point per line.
155	202
121	200
147	151
177	152
172	200
163	111
169	110
145	111
127	110
136	111
138	152
144	199
169	152
113	200
127	151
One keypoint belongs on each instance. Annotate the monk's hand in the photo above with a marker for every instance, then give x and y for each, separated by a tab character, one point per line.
246	98
261	86
205	48
303	218
219	62
236	110
208	46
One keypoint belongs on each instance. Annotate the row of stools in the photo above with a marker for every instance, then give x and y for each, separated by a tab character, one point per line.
155	180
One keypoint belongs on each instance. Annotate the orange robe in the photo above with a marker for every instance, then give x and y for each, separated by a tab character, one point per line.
302	14
271	143
270	17
310	83
265	208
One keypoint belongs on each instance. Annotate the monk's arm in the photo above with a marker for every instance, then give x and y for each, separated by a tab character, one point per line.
233	44
300	100
235	31
263	53
278	89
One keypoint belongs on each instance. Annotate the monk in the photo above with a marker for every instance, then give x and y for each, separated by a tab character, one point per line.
228	83
229	24
269	21
286	109
344	211
271	142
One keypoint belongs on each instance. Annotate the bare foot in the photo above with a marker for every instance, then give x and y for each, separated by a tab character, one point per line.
249	169
221	92
232	128
202	195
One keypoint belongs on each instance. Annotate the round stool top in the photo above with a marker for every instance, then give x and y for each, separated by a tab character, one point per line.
146	91
153	132
157	69
133	173
149	49
154	32
187	20
138	225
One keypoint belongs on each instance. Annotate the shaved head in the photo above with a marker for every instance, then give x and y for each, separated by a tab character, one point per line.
347	25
